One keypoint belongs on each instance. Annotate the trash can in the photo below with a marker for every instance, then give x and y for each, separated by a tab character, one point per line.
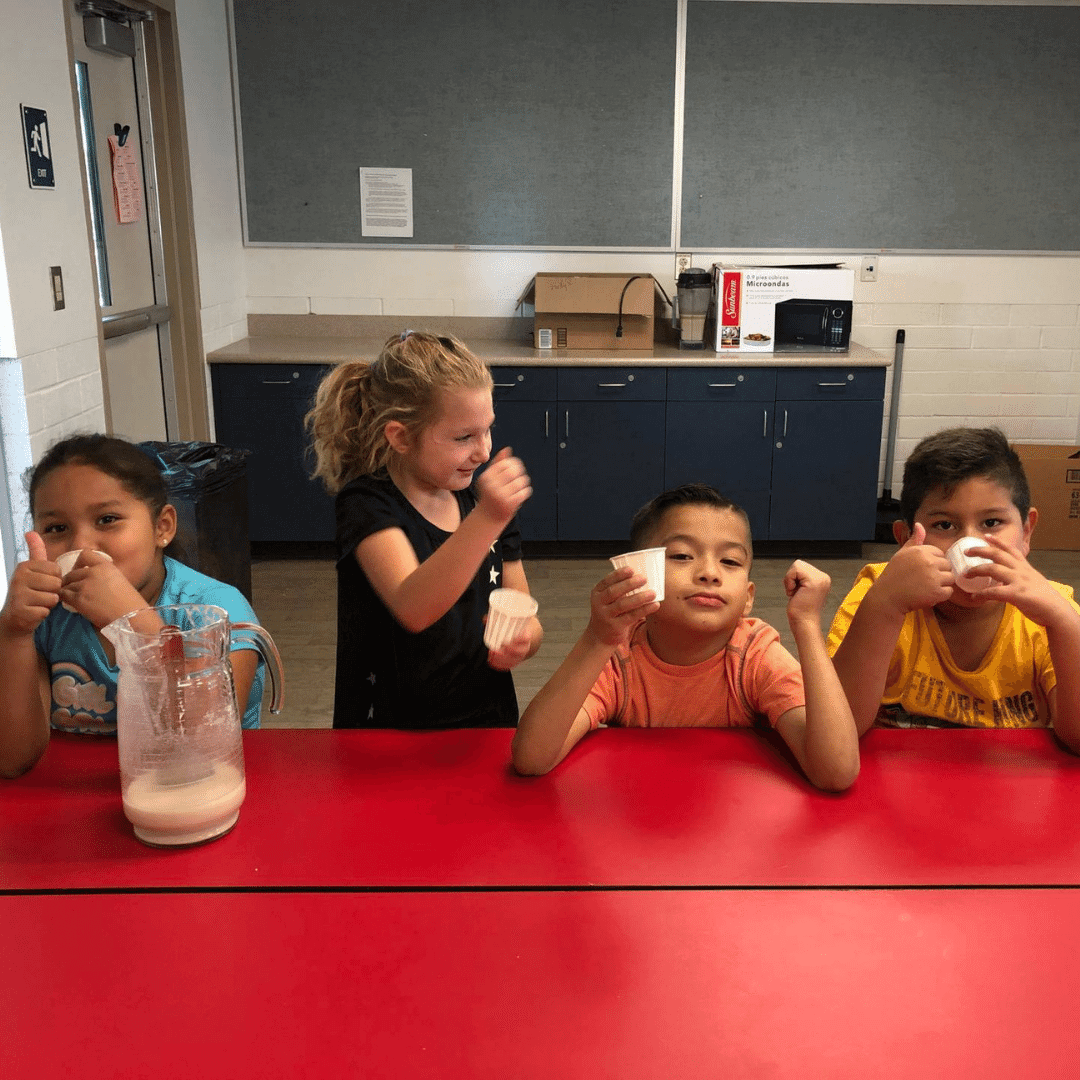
207	484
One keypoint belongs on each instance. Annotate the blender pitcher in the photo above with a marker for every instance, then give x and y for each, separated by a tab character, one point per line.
177	719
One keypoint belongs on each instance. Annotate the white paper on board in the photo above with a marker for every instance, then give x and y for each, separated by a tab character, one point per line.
386	203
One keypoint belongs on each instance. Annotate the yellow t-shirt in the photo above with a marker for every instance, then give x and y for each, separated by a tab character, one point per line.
924	686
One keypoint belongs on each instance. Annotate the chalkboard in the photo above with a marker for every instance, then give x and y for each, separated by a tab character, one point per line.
866	126
546	124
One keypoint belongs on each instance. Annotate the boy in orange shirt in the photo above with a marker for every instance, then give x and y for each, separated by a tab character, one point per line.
697	659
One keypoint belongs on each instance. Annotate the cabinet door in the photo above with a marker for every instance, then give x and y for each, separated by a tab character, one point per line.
528	427
524	400
261	407
826	449
825	470
611	462
719	432
727	445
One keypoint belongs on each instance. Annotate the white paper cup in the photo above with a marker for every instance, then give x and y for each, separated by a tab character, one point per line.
67	562
648	561
509	612
961	561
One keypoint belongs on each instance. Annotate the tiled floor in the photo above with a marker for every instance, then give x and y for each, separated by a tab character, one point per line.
295	600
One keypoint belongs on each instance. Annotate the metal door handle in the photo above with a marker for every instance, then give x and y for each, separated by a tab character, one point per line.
832	384
277	382
547	418
764	423
611	384
723	384
567	424
505	385
131	322
785	423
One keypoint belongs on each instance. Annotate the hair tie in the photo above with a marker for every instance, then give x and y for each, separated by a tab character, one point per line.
406	333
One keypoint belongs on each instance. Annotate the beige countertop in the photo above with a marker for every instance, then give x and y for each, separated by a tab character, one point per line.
288	349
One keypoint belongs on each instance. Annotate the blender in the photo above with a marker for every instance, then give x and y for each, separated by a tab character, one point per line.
693	297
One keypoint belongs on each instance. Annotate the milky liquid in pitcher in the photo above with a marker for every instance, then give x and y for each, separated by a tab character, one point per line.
165	812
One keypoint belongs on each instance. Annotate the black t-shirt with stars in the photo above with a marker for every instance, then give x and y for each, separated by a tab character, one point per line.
388	677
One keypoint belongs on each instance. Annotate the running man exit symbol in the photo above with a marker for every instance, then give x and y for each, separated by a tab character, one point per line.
38	147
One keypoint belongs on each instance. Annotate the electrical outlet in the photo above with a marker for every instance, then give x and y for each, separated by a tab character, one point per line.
869	268
682	262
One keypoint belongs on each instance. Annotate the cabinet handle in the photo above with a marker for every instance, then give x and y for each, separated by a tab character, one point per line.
611	384
722	384
277	382
567	433
785	423
505	385
764	423
832	384
547	419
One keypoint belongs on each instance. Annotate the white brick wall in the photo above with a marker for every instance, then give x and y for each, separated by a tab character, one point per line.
1014	366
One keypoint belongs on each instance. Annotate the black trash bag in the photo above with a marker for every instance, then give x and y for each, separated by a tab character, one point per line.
207	483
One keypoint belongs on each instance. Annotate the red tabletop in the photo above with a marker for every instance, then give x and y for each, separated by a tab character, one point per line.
380	809
977	984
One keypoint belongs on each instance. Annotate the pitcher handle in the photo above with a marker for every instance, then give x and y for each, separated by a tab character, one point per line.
265	644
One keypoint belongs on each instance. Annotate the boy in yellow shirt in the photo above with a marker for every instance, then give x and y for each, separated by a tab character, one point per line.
914	649
697	659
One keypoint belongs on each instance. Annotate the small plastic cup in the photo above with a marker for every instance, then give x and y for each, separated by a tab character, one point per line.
509	612
647	561
67	562
961	561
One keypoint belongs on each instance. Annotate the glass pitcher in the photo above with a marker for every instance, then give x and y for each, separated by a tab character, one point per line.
177	719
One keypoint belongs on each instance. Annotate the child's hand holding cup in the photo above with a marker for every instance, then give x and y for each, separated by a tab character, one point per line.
509	614
67	562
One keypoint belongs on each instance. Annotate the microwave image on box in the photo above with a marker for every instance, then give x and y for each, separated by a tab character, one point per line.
823	323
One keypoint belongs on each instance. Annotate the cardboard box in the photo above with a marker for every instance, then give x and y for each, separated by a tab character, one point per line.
1053	474
748	295
581	311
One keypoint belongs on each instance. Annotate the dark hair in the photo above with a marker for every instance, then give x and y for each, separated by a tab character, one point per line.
136	471
949	457
648	518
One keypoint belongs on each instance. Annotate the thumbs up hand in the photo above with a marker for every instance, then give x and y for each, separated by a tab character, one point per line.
917	576
34	590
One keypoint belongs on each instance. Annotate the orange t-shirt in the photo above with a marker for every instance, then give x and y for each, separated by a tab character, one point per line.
752	678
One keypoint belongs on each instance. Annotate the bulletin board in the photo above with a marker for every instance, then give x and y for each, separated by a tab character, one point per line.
547	124
867	126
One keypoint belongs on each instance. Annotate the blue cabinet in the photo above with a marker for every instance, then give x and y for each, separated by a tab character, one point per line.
593	442
826	449
261	408
525	420
797	448
719	432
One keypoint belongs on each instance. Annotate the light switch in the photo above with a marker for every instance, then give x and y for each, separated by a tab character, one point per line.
57	279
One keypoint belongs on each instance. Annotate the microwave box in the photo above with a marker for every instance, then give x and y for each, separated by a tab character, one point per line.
582	311
1053	474
748	319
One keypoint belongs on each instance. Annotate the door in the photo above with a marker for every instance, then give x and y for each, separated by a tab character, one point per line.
118	152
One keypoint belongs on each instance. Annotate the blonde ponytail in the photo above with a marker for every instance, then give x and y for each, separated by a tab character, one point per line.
356	401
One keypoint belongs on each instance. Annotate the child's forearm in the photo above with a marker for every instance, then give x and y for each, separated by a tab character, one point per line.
543	736
437	583
24	723
831	747
1063	637
862	660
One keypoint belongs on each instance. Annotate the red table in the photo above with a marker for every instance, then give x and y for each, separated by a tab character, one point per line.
978	984
665	904
378	809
